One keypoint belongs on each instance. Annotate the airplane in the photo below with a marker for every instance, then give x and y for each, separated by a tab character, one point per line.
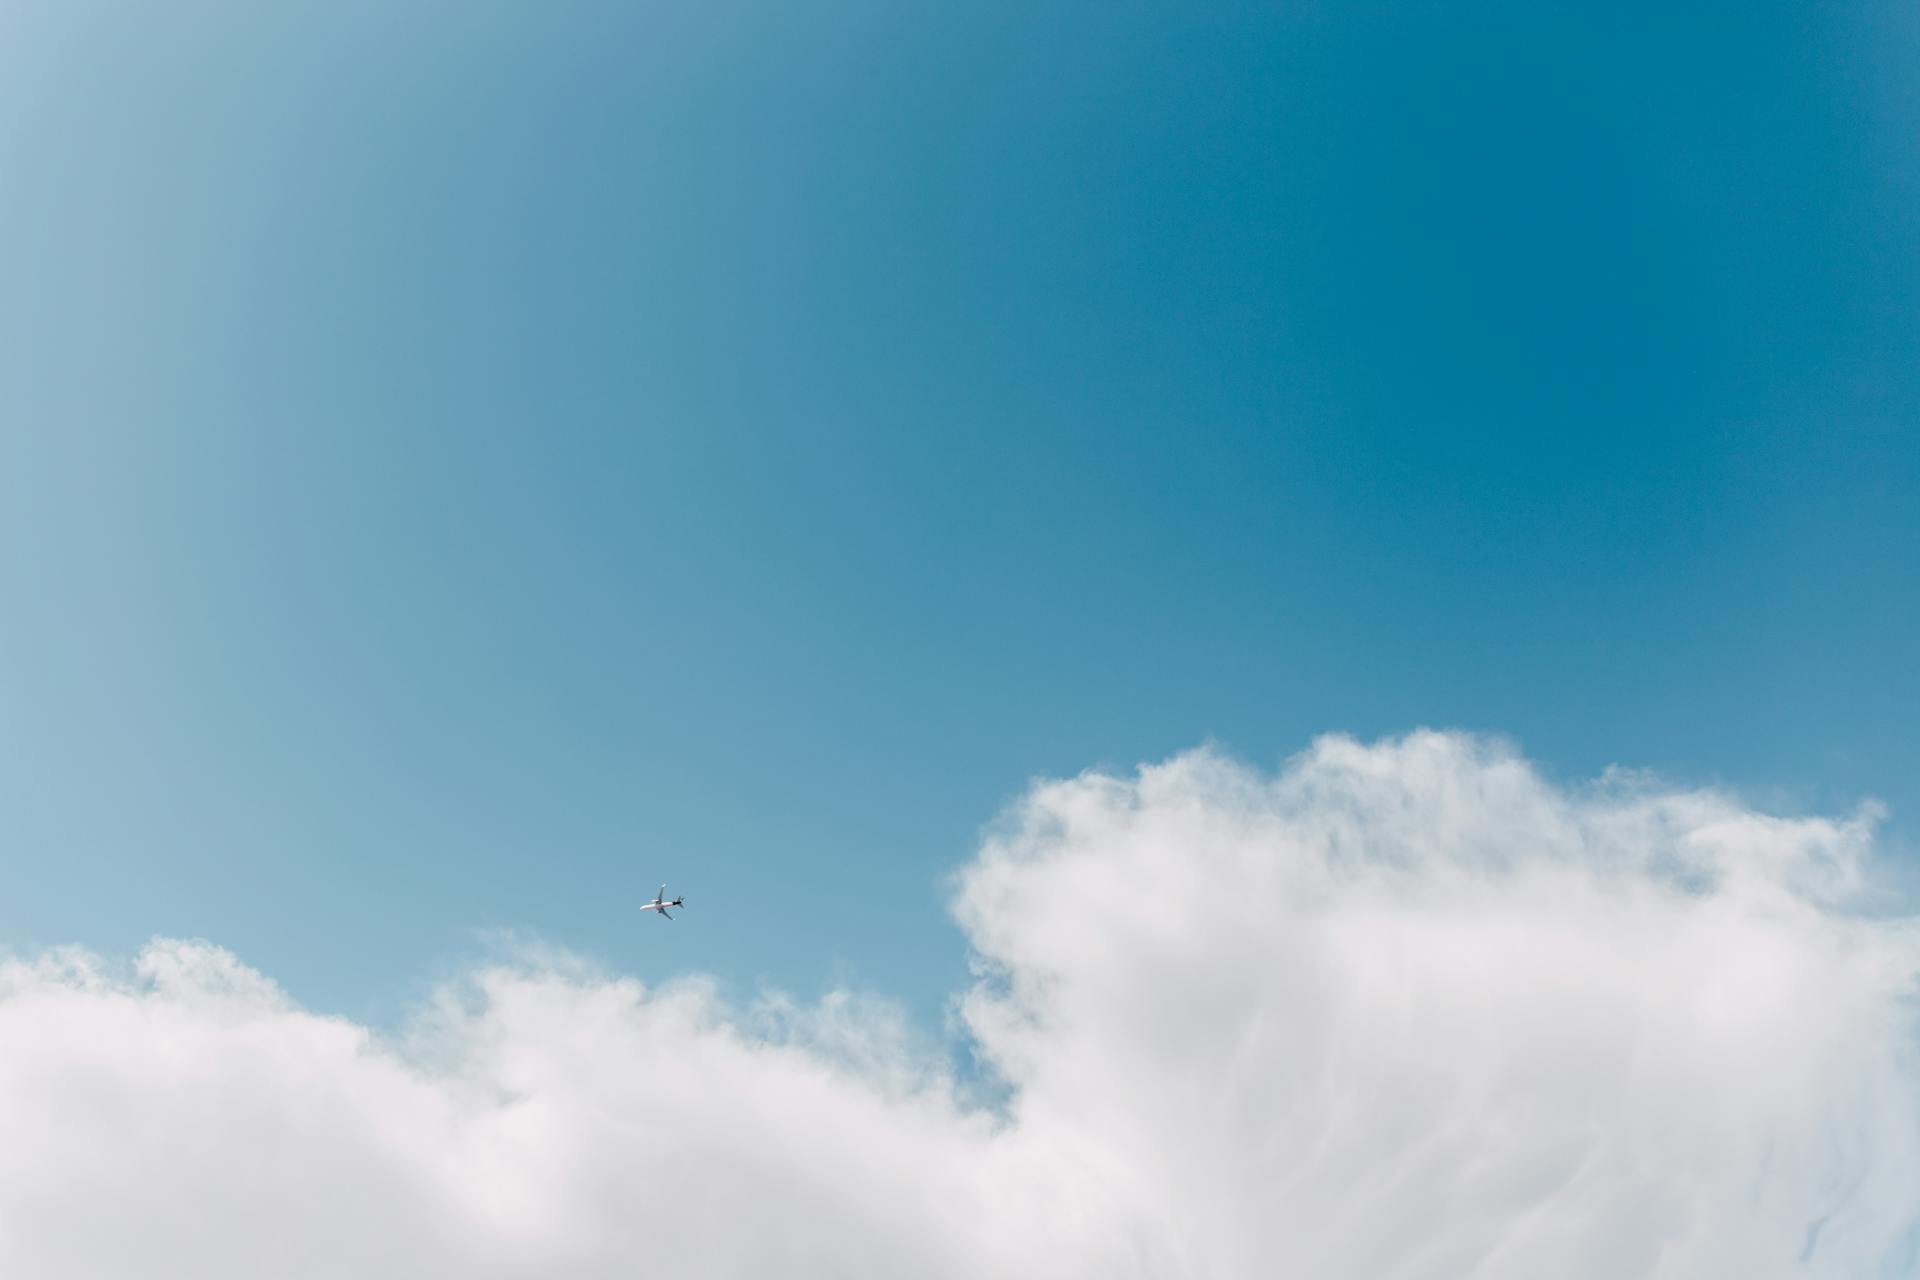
661	902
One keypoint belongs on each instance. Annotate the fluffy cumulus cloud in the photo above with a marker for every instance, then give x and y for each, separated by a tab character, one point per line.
1401	1010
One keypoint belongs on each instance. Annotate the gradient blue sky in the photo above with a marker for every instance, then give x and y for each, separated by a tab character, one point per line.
463	463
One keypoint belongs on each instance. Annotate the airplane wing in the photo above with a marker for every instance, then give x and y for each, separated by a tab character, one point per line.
662	895
663	911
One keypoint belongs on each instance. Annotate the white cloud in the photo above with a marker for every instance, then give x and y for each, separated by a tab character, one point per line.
1403	1010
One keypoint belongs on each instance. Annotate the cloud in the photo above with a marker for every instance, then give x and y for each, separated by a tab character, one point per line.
1401	1010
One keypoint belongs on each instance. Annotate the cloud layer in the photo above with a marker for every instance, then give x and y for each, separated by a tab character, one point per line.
1402	1010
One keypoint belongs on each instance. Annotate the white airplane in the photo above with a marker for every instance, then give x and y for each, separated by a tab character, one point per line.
661	902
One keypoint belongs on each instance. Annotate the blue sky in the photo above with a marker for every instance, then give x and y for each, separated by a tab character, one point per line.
463	464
